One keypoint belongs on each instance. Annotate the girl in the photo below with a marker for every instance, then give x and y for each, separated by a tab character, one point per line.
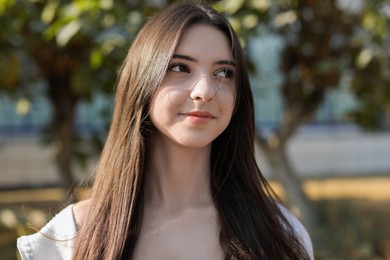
177	178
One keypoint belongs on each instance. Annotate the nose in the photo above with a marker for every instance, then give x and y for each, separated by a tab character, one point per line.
203	89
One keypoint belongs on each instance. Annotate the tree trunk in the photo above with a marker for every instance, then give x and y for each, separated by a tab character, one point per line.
57	68
296	198
64	106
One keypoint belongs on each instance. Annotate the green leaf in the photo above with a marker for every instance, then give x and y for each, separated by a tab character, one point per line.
228	6
49	11
67	32
106	4
95	58
4	4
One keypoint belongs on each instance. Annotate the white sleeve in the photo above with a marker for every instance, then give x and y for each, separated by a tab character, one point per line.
54	241
300	231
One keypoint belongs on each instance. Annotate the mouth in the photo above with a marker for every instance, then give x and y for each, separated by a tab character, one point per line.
198	117
203	114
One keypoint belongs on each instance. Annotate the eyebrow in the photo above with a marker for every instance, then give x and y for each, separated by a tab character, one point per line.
189	58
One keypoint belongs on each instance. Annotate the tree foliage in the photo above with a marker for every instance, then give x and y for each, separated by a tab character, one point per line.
323	42
371	80
76	47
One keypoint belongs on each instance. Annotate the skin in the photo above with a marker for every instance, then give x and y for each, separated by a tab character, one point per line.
191	108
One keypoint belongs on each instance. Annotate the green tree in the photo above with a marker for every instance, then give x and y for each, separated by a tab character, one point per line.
76	47
322	42
371	78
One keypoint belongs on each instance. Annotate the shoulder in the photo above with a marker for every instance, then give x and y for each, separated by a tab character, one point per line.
55	239
80	210
299	229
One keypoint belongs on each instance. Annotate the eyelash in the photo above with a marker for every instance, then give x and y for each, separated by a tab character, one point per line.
178	65
229	73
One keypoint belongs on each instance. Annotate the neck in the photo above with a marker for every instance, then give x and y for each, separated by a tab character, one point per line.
177	177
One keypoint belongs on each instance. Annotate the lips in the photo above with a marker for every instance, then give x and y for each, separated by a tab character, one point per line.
199	114
199	117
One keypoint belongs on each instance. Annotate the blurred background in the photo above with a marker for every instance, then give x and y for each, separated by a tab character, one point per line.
320	74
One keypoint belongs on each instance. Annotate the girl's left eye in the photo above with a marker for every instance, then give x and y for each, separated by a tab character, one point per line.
225	73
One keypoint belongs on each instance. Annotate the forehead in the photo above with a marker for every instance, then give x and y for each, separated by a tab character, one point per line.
202	40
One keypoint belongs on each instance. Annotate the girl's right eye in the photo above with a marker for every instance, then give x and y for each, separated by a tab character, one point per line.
179	68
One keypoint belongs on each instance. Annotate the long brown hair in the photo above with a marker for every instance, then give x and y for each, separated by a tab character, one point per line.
252	226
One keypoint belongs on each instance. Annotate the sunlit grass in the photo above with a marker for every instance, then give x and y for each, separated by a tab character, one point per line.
371	188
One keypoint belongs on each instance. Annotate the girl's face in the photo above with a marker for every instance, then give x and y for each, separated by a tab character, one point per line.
194	104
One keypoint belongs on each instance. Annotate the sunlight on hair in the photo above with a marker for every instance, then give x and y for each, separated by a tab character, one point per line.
37	217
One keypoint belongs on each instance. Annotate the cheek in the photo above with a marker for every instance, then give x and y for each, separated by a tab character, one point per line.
226	98
164	100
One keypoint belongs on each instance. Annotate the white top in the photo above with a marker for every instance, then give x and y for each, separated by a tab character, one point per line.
55	240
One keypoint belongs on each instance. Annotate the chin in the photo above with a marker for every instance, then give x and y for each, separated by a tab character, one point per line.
194	143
